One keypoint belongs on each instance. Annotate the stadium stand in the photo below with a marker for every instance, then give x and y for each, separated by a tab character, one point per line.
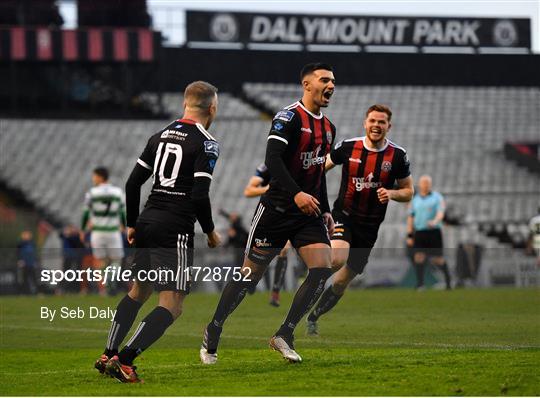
64	150
471	124
455	134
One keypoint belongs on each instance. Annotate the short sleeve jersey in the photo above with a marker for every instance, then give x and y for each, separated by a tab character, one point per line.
364	171
425	208
177	155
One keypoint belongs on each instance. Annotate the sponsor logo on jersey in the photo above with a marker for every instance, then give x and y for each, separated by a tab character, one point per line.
306	130
354	160
262	243
365	183
211	147
386	166
174	134
312	158
286	116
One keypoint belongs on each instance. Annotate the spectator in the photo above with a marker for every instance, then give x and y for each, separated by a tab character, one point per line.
27	263
72	251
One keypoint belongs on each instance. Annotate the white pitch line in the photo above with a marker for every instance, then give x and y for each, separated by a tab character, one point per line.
303	340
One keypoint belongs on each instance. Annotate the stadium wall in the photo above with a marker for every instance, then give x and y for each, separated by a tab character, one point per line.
227	68
28	87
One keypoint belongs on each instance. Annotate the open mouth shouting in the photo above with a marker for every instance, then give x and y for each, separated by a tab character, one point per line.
327	95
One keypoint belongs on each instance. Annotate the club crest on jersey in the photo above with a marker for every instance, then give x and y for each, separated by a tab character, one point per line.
211	147
361	183
386	166
286	116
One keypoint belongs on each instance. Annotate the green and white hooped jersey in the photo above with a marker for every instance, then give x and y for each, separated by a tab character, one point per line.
104	206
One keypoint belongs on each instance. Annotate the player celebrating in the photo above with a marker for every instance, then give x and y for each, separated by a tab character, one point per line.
181	157
294	208
371	166
258	185
104	215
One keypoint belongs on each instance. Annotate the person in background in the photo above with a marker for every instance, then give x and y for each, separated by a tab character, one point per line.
257	185
72	252
27	263
424	230
105	216
236	238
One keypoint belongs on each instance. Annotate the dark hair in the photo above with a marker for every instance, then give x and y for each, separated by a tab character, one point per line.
200	94
380	108
102	172
312	67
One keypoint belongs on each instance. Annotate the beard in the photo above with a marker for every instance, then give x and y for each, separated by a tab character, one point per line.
376	137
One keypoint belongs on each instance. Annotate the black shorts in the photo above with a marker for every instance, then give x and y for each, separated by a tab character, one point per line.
361	238
163	256
271	229
429	242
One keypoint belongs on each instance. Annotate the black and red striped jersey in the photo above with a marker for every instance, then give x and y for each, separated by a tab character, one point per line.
309	139
364	171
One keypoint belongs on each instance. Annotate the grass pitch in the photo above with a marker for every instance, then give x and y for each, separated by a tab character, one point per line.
375	342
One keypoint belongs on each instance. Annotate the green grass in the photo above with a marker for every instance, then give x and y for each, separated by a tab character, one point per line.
375	342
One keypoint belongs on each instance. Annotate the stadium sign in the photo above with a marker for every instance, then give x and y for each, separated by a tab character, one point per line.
356	33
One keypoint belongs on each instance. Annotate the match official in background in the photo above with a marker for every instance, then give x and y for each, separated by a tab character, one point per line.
424	228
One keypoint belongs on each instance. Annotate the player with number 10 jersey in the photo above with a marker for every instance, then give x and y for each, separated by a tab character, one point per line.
176	155
181	159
